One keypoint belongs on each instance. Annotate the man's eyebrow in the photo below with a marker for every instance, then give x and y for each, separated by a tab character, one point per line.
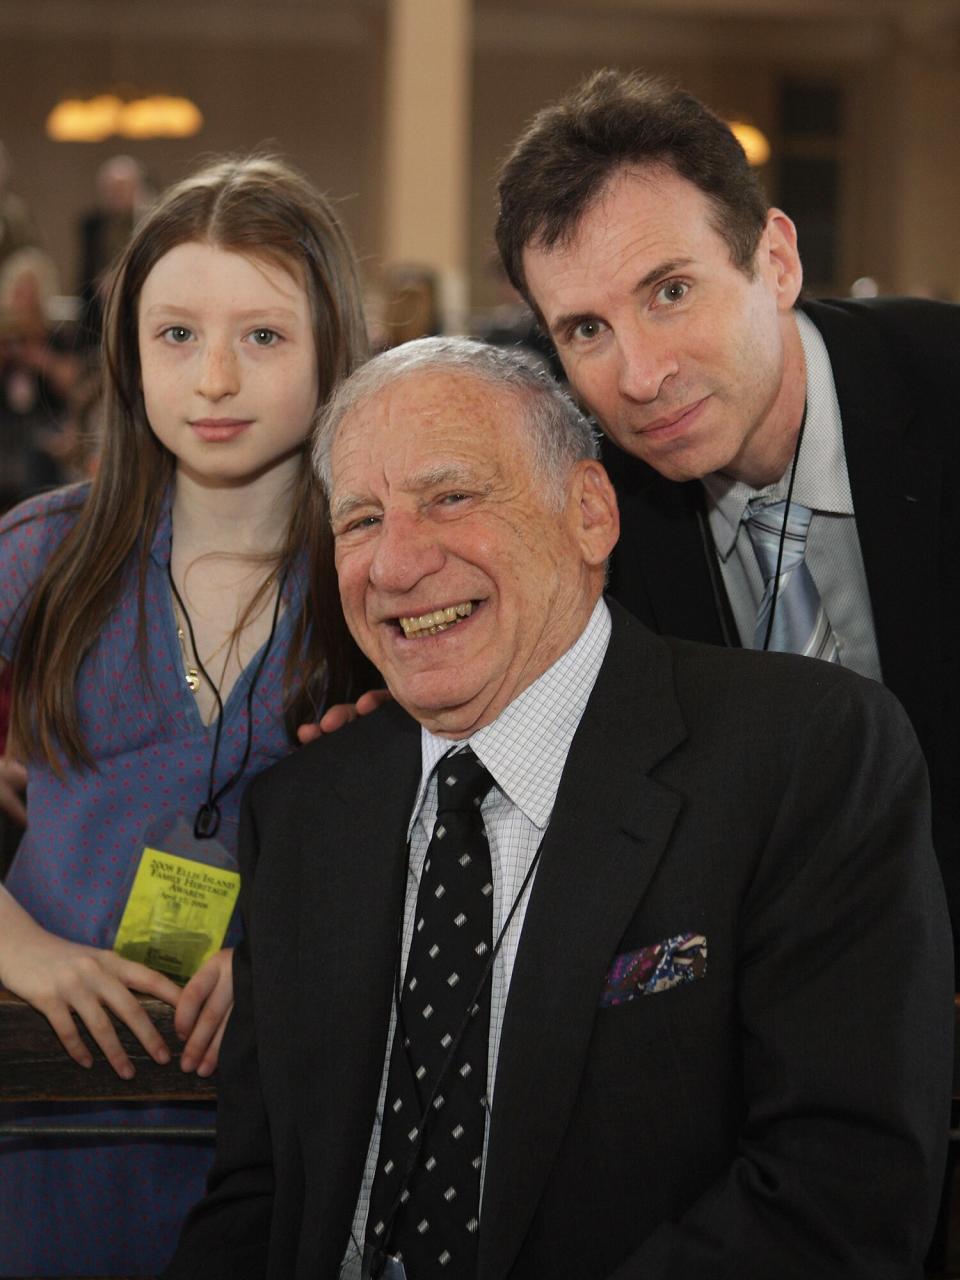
659	272
570	319
439	475
420	482
345	506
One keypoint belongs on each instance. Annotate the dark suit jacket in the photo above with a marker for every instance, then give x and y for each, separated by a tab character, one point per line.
894	363
782	1117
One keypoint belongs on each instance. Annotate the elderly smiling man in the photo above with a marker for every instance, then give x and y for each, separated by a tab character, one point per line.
592	954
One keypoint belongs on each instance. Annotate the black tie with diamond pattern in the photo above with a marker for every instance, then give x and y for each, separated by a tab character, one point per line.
435	1227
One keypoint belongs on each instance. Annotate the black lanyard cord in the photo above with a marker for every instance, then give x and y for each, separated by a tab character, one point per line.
207	822
783	533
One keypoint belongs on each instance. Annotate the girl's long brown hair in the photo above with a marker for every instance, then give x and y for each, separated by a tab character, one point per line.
259	207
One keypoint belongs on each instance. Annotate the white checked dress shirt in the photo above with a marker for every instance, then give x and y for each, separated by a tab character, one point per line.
525	750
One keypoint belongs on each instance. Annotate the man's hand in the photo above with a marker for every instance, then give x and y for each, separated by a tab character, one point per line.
202	1012
63	979
337	716
13	783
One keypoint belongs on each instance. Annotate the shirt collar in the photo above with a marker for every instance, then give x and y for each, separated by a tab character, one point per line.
526	747
822	482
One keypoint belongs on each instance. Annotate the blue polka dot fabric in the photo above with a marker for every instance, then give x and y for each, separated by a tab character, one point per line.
115	1207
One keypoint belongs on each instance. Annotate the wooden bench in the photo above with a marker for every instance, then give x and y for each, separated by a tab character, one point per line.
35	1068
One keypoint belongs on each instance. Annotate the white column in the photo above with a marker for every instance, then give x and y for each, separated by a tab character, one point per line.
427	135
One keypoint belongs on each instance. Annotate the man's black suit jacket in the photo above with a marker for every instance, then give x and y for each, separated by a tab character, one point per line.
894	362
782	1117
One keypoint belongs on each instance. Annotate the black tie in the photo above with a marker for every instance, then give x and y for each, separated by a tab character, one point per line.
425	1201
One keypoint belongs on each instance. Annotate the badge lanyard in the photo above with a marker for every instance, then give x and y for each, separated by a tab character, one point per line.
207	821
783	532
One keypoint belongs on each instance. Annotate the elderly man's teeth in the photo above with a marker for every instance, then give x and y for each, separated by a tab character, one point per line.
432	624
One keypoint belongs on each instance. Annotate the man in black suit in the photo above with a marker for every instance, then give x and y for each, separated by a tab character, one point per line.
720	1016
632	223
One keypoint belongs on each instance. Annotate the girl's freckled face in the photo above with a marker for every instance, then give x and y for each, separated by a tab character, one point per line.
228	362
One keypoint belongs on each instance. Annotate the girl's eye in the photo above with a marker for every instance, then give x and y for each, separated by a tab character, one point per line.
264	337
673	291
178	334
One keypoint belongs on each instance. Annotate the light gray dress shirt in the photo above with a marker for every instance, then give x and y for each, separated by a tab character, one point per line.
525	750
833	552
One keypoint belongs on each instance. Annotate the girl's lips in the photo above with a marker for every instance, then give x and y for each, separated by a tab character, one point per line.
215	430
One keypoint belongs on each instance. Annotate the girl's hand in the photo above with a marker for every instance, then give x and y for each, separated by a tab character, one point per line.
342	713
202	1012
13	782
63	979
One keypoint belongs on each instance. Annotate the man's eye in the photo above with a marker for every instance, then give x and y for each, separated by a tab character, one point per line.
586	330
264	337
673	291
177	334
361	522
451	499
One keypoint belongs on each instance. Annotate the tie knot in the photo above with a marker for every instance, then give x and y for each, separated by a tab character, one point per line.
765	525
770	517
462	782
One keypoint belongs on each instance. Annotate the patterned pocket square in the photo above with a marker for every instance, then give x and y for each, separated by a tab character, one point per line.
655	968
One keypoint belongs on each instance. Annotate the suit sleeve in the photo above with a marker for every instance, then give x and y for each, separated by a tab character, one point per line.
846	1024
226	1236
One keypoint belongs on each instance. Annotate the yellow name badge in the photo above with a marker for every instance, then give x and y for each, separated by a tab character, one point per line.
177	913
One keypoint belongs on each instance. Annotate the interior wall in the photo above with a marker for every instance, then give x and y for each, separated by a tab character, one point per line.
311	103
316	93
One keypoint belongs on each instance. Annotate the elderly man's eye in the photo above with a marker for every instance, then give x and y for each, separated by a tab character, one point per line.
352	526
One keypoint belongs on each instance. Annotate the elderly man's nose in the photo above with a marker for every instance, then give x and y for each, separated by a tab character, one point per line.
407	551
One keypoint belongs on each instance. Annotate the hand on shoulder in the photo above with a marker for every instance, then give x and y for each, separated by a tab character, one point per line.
342	713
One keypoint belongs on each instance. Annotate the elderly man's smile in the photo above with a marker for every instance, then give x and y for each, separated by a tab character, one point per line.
437	620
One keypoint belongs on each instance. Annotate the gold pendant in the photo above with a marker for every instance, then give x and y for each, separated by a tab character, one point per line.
193	679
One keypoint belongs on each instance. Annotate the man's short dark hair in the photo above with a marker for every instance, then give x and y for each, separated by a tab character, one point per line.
615	120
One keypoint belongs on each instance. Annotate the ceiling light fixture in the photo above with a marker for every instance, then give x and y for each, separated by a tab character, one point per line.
106	116
754	142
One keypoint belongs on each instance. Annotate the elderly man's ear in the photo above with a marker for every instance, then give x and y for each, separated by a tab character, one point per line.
597	515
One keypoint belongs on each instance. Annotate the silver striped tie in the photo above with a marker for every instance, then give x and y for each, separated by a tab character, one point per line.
800	623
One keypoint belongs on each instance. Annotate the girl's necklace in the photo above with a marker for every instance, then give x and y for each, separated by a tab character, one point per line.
192	669
191	672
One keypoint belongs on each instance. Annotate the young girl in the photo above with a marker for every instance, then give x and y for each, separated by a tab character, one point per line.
169	626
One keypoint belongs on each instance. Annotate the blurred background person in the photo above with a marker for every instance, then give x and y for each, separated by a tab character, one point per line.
122	195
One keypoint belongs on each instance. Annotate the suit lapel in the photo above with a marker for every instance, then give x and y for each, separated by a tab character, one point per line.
353	860
896	491
609	828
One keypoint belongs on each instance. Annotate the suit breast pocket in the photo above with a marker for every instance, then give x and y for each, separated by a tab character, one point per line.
655	968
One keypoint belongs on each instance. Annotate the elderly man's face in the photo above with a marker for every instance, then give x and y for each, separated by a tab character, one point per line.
458	580
688	362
